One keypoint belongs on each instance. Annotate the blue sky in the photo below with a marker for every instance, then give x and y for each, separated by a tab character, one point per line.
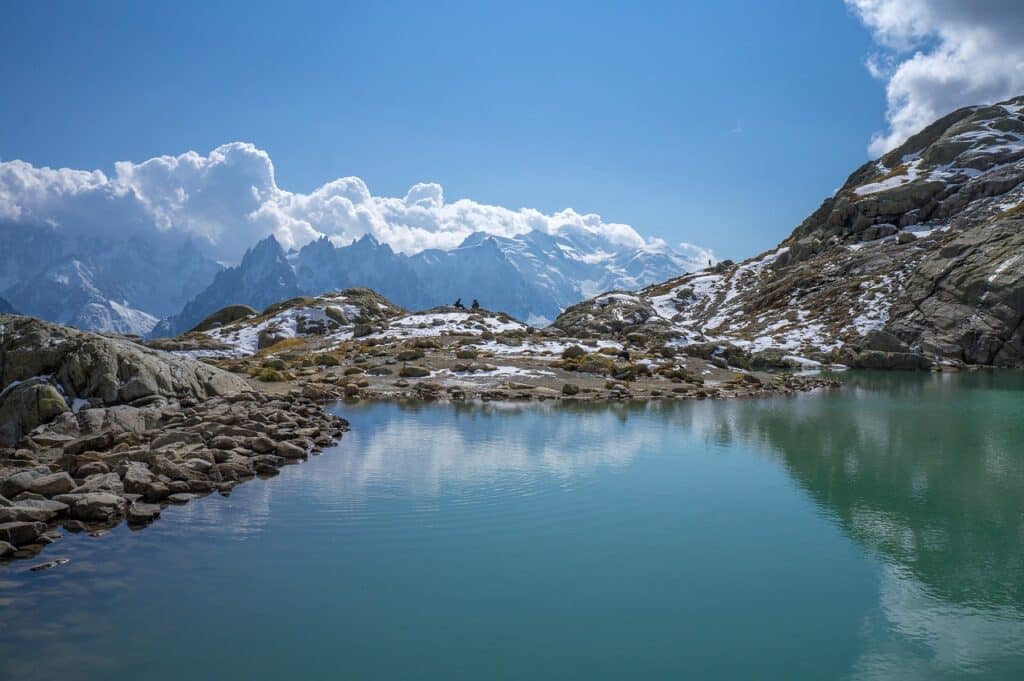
722	124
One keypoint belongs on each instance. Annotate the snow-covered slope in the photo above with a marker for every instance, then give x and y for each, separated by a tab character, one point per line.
337	315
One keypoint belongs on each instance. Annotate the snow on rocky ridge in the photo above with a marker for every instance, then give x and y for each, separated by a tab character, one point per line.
914	261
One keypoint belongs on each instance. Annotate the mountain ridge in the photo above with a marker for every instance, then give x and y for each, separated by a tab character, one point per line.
915	261
533	276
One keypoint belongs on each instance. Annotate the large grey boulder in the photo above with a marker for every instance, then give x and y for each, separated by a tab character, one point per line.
20	533
53	484
105	370
95	506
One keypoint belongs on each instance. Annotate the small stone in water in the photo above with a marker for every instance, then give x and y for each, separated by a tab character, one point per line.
50	564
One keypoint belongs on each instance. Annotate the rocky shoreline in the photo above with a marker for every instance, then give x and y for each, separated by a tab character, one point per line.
101	430
94	482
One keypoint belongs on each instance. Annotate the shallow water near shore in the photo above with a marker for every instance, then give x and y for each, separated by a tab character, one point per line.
871	532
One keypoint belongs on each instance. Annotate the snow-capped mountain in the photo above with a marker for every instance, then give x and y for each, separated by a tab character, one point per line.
122	285
532	276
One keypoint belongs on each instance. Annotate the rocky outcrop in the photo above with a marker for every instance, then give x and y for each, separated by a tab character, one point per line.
965	300
93	469
225	315
47	370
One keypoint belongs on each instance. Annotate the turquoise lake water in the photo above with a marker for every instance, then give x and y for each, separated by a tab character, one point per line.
873	532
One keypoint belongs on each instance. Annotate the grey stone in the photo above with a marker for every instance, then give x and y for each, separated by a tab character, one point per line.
20	533
53	484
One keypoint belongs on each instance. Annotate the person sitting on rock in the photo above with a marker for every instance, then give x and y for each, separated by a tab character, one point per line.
458	305
476	304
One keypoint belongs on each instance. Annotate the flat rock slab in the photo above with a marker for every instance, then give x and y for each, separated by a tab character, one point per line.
21	533
139	513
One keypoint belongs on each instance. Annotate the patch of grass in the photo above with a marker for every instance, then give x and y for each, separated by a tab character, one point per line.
327	360
268	375
1016	211
286	344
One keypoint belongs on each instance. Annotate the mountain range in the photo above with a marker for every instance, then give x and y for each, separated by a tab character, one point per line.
532	276
100	283
163	284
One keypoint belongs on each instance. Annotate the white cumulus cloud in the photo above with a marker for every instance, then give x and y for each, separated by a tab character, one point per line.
230	199
939	55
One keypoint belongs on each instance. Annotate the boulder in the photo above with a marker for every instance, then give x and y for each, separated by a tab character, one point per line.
32	510
25	405
18	483
140	513
20	533
96	506
110	370
883	341
287	450
137	478
100	482
53	484
261	444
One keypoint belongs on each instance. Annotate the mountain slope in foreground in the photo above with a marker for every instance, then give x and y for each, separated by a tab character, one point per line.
917	259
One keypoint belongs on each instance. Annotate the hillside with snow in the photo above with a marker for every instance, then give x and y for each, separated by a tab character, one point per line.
917	260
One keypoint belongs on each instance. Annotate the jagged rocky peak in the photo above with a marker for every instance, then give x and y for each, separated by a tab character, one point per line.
263	277
917	261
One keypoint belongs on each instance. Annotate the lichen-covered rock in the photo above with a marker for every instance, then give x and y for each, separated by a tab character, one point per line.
25	405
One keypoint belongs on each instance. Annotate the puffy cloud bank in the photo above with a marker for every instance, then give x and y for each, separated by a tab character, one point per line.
230	199
939	55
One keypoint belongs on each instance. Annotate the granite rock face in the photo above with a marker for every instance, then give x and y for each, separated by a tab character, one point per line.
47	370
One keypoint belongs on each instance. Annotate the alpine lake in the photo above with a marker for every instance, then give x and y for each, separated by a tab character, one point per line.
875	531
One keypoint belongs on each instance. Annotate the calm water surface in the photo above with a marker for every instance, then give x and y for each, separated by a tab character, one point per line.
876	532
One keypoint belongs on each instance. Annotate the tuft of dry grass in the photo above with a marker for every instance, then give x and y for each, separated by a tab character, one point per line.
286	344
